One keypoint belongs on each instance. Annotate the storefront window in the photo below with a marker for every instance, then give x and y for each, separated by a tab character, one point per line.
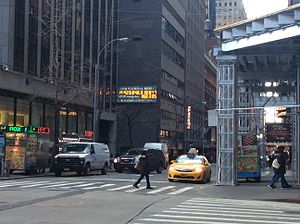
50	119
62	120
89	122
72	121
37	114
22	112
81	122
6	111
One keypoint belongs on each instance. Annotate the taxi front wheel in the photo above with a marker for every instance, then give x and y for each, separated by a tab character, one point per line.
171	180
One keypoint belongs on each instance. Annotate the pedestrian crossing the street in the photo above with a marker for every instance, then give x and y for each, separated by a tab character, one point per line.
96	185
212	211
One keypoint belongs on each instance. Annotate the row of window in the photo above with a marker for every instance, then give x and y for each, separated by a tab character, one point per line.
172	54
171	97
172	32
167	115
22	112
167	76
227	4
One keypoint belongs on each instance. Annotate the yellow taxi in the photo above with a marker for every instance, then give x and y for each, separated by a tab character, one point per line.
190	167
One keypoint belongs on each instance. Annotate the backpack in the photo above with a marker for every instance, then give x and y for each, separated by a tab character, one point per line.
275	164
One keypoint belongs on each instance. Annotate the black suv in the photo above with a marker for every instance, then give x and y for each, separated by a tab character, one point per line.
128	160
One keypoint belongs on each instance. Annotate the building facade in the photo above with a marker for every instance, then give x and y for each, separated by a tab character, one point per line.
229	11
164	54
48	51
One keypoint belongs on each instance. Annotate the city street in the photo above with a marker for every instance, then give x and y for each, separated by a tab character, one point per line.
112	199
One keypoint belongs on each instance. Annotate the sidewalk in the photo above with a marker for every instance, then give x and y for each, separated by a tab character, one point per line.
249	190
22	175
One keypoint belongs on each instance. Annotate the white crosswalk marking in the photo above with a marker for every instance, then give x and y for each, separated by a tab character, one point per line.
82	185
181	190
35	184
120	188
98	187
137	189
16	184
161	189
226	211
59	185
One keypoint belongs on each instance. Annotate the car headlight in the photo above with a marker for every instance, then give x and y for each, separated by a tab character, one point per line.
117	160
171	168
198	170
82	161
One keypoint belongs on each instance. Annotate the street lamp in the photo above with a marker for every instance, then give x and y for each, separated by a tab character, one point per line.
96	88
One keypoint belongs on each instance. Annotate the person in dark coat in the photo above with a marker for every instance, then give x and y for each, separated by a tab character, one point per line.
279	172
144	170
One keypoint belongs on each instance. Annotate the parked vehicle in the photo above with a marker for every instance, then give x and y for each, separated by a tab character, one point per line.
128	160
82	157
190	167
159	146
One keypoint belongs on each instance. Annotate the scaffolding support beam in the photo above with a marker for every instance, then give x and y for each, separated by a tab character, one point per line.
227	122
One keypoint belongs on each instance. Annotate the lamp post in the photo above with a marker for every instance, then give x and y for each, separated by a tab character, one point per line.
96	118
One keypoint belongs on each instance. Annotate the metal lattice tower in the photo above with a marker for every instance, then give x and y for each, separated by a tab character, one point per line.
226	129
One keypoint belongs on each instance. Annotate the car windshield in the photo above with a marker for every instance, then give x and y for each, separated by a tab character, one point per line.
194	160
75	148
133	152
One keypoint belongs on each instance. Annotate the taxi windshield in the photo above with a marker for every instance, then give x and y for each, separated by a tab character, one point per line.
194	160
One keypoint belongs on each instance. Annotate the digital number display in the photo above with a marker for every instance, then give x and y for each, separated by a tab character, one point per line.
137	94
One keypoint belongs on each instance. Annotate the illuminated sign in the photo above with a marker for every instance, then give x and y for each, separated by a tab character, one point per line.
137	94
189	116
21	129
89	134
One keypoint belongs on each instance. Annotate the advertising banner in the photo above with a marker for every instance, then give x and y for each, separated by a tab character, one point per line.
137	94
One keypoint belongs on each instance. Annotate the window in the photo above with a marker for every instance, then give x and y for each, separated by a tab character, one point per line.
72	121
37	114
81	122
22	112
172	54
172	32
50	119
6	111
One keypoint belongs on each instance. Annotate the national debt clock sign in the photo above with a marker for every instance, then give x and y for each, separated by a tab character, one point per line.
279	132
137	94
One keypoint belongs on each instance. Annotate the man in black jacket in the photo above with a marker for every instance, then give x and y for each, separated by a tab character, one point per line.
279	172
144	170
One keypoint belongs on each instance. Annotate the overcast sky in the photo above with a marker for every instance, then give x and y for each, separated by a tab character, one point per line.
255	8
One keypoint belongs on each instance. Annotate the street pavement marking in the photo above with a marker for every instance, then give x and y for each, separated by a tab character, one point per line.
35	184
137	189
17	184
220	219
181	190
8	184
120	188
98	187
160	190
82	185
219	213
178	221
59	185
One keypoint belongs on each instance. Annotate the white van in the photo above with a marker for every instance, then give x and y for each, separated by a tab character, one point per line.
159	146
82	157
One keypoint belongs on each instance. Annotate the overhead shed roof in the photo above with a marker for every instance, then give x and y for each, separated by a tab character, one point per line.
272	27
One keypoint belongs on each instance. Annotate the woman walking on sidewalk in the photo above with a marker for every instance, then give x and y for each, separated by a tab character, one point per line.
279	169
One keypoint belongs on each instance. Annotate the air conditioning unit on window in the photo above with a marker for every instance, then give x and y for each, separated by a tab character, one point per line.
4	67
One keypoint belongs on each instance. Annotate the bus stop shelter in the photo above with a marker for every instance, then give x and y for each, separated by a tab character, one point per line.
252	53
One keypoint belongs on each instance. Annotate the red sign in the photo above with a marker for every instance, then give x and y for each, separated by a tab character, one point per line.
44	130
89	133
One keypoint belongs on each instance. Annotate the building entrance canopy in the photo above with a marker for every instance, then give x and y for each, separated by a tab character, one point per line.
251	53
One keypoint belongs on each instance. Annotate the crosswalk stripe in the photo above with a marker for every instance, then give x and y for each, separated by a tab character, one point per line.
137	189
120	188
218	213
221	219
16	184
82	185
224	208
59	185
161	189
181	190
207	210
98	187
34	185
178	221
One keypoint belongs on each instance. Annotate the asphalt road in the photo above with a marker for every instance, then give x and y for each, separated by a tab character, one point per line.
111	199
